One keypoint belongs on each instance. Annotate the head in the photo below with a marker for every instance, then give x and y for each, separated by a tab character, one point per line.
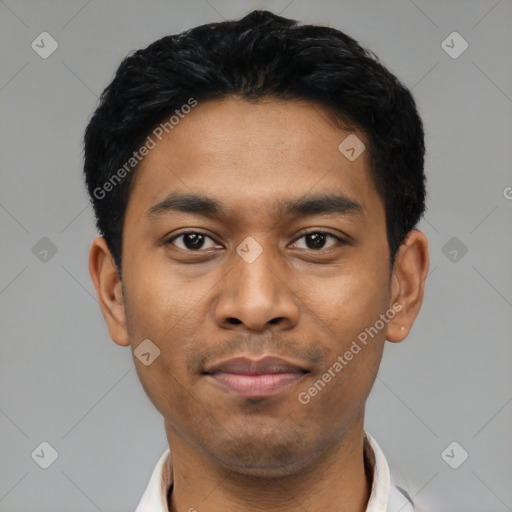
256	185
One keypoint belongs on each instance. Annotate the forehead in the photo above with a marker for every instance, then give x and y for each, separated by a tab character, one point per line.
251	156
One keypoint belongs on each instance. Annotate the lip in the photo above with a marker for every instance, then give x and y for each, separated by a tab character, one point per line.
256	378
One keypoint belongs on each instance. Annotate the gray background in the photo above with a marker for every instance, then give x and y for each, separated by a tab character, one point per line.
65	382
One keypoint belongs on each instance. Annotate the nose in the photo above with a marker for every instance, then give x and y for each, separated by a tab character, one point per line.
257	295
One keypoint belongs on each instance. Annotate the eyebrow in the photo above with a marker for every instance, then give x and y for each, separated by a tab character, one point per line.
312	204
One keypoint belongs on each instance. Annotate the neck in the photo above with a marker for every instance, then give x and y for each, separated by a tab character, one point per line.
336	481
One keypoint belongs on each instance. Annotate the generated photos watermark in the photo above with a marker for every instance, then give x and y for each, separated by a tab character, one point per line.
149	144
305	397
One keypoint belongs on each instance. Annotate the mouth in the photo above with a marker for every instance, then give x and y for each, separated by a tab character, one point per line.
256	378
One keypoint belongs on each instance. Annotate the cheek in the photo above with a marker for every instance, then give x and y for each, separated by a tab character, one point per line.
165	380
353	301
155	312
160	301
349	311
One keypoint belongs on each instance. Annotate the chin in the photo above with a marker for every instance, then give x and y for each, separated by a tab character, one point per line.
265	456
264	467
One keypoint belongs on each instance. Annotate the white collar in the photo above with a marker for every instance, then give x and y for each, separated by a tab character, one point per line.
384	495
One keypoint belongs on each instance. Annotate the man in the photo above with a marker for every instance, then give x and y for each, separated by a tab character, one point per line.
257	184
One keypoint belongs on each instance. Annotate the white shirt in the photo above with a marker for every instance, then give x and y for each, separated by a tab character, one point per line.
385	495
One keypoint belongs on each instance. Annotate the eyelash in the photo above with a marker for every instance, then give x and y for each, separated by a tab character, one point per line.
337	238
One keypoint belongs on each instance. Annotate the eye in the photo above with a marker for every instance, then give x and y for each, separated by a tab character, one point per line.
315	240
192	241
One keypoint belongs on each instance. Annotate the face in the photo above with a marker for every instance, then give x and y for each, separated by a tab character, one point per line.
284	255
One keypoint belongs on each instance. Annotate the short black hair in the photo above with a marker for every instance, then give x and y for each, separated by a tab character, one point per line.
259	56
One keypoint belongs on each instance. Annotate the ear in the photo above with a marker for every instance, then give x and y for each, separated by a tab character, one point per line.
408	284
108	285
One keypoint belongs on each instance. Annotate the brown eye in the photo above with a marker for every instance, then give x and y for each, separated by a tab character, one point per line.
316	240
192	241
